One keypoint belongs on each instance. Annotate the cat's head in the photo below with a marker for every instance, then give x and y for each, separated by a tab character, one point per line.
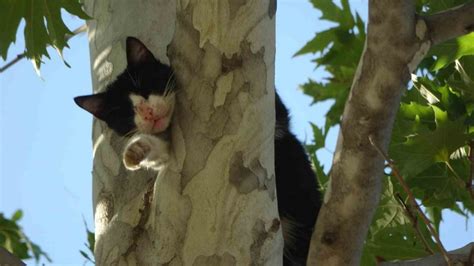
142	97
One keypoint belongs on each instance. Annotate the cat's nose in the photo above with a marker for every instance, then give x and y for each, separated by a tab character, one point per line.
146	112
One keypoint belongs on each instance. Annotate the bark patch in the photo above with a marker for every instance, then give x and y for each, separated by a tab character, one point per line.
140	229
229	64
240	176
260	236
225	259
272	8
234	7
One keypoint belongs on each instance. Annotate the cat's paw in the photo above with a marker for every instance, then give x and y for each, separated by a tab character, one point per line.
135	153
145	151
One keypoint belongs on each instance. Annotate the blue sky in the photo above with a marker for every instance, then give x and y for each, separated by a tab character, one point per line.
46	148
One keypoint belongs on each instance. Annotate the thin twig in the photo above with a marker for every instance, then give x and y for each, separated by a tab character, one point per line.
75	32
412	200
413	219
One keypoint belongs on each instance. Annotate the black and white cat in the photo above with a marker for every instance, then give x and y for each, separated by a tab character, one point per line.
140	104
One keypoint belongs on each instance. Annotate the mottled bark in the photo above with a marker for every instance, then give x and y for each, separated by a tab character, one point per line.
397	40
214	203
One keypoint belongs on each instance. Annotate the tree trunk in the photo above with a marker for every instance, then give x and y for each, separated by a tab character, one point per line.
215	202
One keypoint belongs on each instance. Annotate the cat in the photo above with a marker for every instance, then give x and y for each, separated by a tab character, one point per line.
140	102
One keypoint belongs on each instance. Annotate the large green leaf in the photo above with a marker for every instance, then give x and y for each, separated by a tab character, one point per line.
443	185
449	51
11	13
44	25
426	147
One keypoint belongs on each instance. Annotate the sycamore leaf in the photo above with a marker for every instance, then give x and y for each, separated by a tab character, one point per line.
451	50
318	43
332	12
11	12
319	137
44	25
421	149
443	185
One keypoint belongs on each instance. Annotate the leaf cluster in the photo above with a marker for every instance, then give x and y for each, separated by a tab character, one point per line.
88	254
16	242
431	136
44	25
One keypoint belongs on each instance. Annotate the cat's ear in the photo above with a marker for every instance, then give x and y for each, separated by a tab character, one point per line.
94	104
137	53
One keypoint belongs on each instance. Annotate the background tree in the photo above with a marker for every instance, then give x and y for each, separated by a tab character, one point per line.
436	167
431	136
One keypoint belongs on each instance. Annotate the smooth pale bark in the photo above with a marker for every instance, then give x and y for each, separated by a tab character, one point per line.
215	202
397	40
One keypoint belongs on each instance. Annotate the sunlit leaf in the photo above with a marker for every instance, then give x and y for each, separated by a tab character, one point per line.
449	51
44	25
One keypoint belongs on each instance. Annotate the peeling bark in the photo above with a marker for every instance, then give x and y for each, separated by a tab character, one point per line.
397	40
215	202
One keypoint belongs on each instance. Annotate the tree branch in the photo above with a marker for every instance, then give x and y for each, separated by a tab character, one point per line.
451	23
6	258
75	32
391	50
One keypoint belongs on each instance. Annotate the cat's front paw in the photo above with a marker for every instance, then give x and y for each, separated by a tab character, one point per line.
135	153
146	151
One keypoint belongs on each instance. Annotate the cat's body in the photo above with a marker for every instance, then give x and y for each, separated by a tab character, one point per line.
141	102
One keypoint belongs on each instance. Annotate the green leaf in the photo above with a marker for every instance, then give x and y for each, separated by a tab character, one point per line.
56	28
38	35
392	234
449	51
319	137
435	215
332	12
426	147
15	241
11	13
441	187
318	43
17	215
84	254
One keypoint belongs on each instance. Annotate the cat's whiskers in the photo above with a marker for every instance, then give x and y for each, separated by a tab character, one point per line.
132	79
128	135
170	84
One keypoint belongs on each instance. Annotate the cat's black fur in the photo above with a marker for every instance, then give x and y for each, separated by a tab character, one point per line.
297	187
144	75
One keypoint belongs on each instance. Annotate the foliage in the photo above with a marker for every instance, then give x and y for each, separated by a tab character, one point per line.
88	254
16	242
38	35
431	133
